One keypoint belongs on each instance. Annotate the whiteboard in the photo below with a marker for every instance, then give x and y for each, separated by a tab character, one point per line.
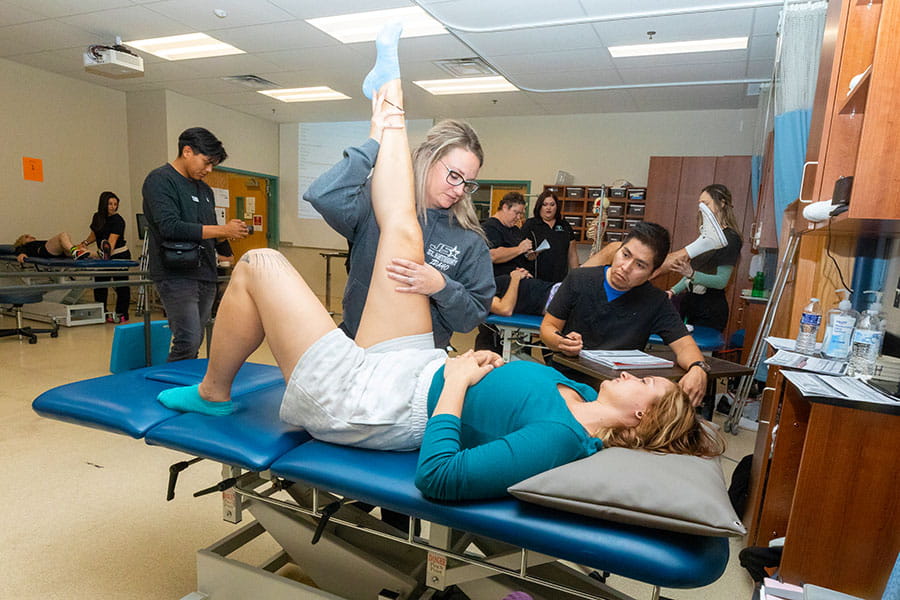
306	151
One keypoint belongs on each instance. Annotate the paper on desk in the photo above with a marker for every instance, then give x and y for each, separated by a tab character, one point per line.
830	386
779	343
545	245
783	358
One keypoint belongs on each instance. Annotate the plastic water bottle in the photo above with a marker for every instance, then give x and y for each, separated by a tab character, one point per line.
810	320
867	339
839	326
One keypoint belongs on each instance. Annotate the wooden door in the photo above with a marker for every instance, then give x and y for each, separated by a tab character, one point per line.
248	200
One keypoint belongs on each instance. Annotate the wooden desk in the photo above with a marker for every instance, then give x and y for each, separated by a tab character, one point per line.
827	480
718	368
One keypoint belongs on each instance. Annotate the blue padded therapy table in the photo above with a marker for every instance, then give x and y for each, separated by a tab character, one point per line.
303	493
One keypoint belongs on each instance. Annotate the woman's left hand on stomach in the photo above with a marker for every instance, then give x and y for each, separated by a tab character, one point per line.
415	278
469	367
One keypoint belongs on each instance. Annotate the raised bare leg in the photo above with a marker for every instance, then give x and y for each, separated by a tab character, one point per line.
388	313
266	298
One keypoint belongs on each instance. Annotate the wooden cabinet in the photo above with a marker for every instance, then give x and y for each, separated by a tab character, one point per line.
626	207
747	314
855	132
824	476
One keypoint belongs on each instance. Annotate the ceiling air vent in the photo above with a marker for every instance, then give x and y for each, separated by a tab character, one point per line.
251	81
465	67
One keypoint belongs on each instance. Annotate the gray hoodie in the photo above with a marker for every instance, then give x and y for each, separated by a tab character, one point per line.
342	195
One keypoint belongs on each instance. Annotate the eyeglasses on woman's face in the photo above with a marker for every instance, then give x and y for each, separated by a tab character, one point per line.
455	178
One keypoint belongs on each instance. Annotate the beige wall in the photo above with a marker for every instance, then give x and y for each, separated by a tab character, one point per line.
601	148
79	131
251	143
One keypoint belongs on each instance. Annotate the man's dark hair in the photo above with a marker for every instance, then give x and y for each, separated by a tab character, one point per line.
201	141
511	198
654	236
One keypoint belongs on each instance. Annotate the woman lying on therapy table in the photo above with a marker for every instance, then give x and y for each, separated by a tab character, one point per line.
481	425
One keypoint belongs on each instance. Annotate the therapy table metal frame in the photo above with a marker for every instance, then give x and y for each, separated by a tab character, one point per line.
302	493
60	278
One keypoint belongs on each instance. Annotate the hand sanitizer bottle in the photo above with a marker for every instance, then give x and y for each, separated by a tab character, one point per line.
839	329
866	340
810	320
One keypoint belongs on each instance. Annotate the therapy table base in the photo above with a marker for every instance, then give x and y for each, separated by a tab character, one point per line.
302	493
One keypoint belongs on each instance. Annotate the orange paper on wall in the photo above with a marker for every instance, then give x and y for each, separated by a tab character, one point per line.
32	169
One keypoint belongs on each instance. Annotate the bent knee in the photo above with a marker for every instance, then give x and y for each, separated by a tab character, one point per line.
261	262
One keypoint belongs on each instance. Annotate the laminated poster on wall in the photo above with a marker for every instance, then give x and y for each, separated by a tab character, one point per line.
221	197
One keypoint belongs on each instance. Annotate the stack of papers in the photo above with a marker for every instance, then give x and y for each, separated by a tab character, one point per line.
784	358
845	388
626	359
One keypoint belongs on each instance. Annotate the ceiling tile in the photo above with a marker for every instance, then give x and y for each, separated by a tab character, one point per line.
556	80
132	23
10	14
41	36
538	61
62	8
199	15
311	9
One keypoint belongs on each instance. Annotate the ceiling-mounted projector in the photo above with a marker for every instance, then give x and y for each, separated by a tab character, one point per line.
113	62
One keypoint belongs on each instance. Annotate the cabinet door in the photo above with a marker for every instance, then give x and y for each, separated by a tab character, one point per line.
877	177
663	182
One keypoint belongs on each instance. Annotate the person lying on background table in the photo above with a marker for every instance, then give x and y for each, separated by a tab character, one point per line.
59	246
616	308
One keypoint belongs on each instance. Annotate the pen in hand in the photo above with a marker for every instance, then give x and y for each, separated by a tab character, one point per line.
562	335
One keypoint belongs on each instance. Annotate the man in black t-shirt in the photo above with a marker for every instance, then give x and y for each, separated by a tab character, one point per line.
507	243
179	207
616	308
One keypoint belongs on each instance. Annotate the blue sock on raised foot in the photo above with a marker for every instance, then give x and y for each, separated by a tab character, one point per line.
387	63
187	399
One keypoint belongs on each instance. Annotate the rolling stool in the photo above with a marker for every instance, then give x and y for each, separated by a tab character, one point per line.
18	299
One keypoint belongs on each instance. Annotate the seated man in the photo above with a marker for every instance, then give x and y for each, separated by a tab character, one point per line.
27	246
616	308
508	245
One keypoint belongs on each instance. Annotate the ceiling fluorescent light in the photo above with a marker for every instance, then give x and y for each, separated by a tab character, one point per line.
738	43
309	94
364	26
183	47
466	85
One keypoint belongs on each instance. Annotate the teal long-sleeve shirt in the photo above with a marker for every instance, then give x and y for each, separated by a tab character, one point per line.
514	424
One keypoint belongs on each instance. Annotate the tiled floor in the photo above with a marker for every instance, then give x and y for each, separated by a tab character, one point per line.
84	511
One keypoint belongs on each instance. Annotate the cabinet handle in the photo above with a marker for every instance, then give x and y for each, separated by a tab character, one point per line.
803	180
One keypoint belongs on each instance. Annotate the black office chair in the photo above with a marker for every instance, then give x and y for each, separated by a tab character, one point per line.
18	299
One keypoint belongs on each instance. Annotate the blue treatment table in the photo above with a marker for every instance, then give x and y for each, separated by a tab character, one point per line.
516	332
302	492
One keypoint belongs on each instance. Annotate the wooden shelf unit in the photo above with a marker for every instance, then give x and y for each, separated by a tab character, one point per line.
578	208
827	479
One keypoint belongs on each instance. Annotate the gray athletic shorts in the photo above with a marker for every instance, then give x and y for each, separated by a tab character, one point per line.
366	397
